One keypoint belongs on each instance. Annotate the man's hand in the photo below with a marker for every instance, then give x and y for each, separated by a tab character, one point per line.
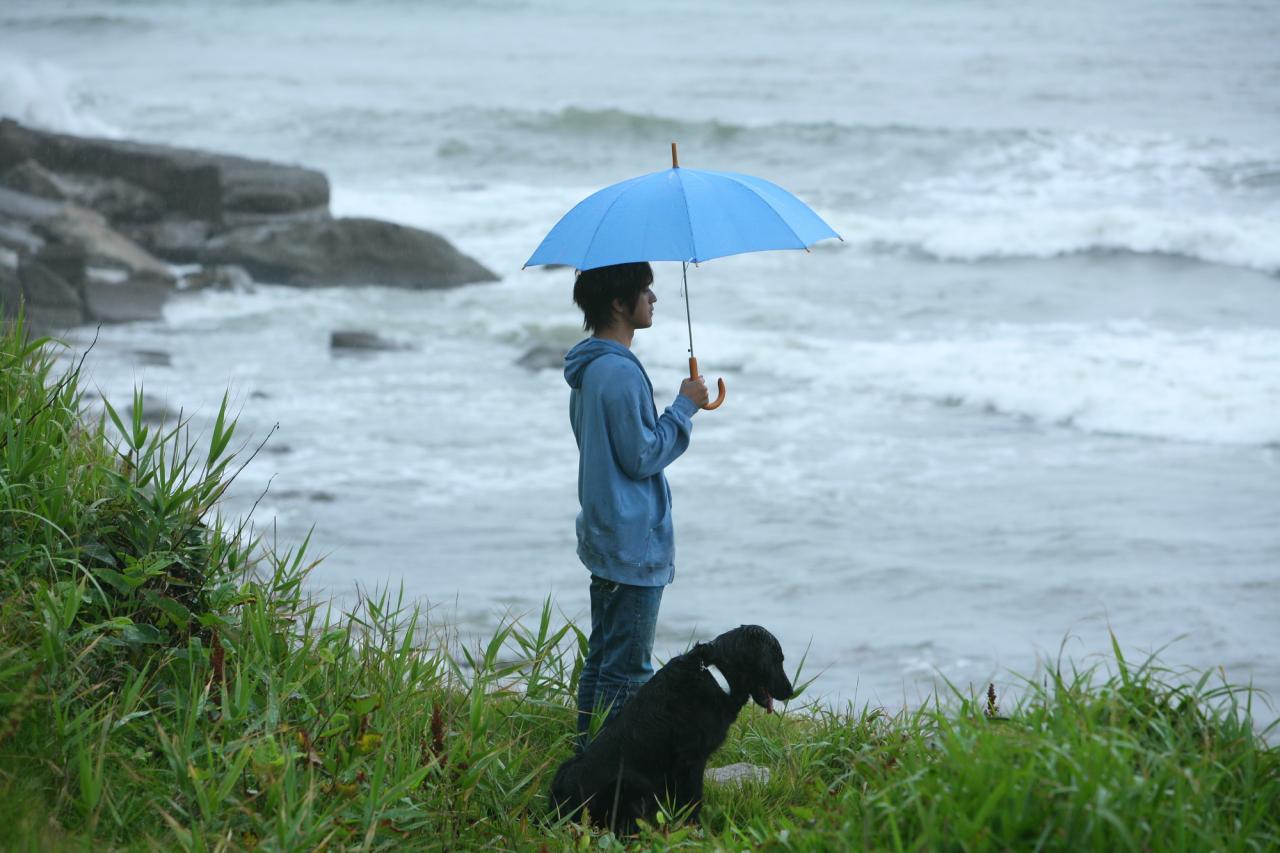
695	390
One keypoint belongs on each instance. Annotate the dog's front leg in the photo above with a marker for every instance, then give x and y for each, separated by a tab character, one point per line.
686	790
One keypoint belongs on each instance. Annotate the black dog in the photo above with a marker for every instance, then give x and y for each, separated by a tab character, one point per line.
656	749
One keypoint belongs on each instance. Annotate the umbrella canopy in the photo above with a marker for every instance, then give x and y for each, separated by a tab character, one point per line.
678	214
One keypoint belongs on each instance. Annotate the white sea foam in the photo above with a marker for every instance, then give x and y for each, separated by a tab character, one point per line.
1251	242
44	95
1213	386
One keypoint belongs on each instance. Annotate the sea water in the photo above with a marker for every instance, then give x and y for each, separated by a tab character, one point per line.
1032	399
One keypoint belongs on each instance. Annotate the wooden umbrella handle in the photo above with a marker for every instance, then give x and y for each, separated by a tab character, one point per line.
693	374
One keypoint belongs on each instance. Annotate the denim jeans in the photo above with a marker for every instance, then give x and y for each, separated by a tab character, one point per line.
623	621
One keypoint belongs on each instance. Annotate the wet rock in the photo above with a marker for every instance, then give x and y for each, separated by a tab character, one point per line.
154	412
542	357
31	178
351	339
16	237
175	239
52	302
139	297
103	245
317	496
228	277
198	184
346	251
67	222
116	199
152	357
10	291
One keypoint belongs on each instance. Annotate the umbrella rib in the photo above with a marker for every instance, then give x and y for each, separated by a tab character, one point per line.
693	245
772	209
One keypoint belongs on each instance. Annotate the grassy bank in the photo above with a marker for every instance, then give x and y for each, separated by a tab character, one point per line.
166	684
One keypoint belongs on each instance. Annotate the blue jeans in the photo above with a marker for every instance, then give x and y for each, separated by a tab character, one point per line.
623	621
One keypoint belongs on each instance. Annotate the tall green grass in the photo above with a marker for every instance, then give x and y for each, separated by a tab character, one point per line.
165	683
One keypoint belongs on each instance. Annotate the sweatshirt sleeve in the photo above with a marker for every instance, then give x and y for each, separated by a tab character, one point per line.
643	448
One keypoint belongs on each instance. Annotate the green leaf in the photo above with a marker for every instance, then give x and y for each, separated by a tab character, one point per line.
121	583
140	633
180	615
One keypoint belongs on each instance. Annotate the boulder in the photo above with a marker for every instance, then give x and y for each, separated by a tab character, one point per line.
227	277
152	357
175	239
104	246
116	199
352	339
542	357
197	184
10	291
18	237
66	222
52	302
346	251
140	297
33	179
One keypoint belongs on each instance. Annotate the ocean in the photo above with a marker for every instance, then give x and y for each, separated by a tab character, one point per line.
1032	400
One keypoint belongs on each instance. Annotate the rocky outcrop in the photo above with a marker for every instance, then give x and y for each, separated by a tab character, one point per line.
345	251
132	208
215	188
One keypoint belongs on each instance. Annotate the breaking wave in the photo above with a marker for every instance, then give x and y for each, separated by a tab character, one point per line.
1250	242
44	95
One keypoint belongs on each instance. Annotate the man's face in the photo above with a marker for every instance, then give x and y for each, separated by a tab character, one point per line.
641	317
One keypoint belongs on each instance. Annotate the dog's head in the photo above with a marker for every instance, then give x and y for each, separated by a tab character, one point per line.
751	660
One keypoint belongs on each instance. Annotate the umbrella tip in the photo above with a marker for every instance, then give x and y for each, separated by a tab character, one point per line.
675	159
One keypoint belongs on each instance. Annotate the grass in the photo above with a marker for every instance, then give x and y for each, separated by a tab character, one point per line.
165	683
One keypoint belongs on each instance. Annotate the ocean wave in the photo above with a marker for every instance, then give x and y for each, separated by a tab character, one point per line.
84	23
1211	386
1241	240
44	95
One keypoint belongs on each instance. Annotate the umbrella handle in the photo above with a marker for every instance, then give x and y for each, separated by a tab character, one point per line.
693	374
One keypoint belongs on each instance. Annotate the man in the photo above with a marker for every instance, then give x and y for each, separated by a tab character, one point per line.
625	536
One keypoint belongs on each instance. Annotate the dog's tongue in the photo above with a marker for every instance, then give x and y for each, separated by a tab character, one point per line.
768	703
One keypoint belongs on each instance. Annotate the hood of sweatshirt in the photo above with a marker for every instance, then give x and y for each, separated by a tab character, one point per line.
588	350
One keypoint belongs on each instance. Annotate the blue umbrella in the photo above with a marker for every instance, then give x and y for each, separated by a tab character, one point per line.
687	215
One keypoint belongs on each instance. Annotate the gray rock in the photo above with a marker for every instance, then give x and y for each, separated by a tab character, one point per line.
736	774
352	339
67	261
228	277
116	199
346	251
542	357
153	357
16	237
154	411
140	297
10	292
25	208
52	303
175	239
198	184
103	244
33	179
66	222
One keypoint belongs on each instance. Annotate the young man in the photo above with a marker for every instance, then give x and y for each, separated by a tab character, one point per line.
625	536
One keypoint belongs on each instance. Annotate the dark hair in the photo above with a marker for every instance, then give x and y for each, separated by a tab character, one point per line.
594	291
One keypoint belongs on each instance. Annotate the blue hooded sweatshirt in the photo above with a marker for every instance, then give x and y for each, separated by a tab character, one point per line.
624	528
